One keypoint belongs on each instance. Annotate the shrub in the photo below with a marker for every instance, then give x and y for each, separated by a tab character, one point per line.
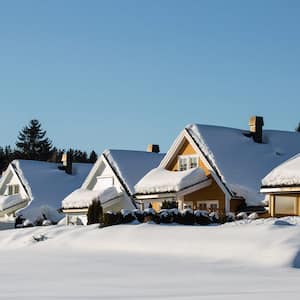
95	213
110	218
127	216
202	217
139	215
230	217
187	217
166	216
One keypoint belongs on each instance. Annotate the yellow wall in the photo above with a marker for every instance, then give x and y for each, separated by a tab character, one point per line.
212	192
272	203
186	149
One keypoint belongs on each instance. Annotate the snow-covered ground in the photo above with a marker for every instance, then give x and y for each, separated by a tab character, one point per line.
243	260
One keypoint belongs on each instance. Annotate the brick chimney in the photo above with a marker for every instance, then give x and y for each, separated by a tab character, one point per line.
153	148
256	124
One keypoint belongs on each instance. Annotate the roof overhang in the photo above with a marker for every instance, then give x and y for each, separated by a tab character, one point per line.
280	189
181	193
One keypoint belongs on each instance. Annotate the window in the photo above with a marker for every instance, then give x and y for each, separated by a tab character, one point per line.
285	205
210	205
186	162
13	189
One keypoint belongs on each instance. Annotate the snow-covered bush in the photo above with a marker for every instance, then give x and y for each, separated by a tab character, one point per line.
202	217
187	217
27	223
139	215
215	218
111	218
166	216
46	223
241	216
253	216
230	217
127	216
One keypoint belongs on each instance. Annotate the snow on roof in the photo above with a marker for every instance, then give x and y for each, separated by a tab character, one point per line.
82	198
286	174
240	162
47	186
160	180
131	166
9	201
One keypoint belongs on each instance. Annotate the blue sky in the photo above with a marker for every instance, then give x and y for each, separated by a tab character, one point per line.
122	74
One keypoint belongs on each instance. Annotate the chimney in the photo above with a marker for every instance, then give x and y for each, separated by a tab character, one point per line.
67	161
256	124
153	148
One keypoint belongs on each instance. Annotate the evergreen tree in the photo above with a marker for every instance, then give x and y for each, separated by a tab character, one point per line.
95	213
298	127
32	142
93	157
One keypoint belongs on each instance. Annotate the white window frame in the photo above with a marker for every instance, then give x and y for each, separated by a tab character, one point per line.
209	203
188	159
15	189
99	178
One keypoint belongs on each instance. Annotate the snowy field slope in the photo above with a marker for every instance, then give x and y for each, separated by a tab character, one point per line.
233	261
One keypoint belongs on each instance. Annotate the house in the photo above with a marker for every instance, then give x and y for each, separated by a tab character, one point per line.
282	188
217	168
35	188
111	181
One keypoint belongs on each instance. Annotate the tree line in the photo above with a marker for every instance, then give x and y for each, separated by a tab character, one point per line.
33	144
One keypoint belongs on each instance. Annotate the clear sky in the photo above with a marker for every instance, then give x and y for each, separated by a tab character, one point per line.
122	74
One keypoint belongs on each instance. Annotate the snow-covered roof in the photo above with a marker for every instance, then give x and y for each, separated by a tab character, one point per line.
160	180
82	198
239	161
47	186
286	174
9	201
131	165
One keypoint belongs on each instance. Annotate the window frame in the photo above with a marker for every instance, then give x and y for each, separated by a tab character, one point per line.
188	159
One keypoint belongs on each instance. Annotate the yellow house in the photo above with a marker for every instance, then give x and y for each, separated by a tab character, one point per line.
230	164
282	188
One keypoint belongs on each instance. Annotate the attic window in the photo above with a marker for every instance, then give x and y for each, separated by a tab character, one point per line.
13	189
186	162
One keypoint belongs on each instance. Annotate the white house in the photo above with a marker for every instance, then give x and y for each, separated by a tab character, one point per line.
110	181
36	188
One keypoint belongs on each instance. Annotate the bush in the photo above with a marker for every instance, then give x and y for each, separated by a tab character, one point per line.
139	215
187	217
95	213
202	217
127	216
110	218
165	216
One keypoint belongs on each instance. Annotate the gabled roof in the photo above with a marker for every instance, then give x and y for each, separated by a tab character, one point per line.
238	160
286	174
45	184
130	166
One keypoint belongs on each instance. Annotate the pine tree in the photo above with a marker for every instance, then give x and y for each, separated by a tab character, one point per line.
93	157
95	213
32	142
298	127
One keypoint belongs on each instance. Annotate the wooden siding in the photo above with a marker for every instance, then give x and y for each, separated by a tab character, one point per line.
212	192
235	204
186	149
